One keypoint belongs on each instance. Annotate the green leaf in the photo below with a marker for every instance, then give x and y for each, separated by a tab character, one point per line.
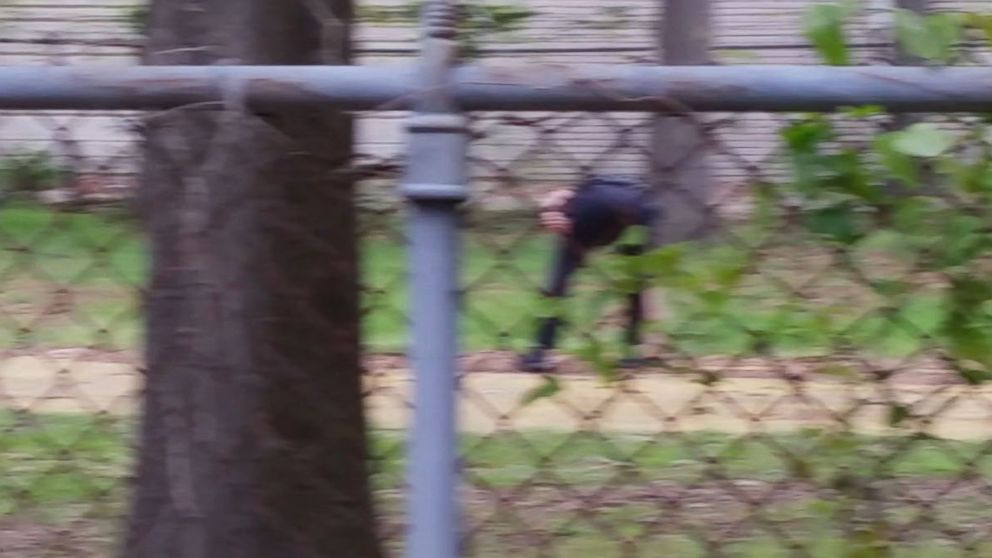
725	266
702	333
817	172
841	443
839	222
795	328
867	111
967	330
968	176
963	240
806	135
890	288
969	293
508	17
896	340
550	307
912	215
870	541
985	24
729	274
885	240
898	414
973	375
970	344
549	388
947	29
593	352
925	313
825	509
930	37
898	164
923	139
665	264
637	235
824	26
714	300
959	173
849	175
979	22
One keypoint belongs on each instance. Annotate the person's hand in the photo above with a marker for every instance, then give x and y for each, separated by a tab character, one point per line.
552	213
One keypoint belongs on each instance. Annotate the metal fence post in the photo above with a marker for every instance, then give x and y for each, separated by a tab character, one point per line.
435	184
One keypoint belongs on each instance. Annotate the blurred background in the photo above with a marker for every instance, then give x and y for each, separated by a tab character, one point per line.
823	325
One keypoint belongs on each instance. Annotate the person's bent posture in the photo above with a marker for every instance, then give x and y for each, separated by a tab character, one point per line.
593	215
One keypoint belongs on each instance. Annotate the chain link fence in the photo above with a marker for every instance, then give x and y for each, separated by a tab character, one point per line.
815	374
75	287
802	398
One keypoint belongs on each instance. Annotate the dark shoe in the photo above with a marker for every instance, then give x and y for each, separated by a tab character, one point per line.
536	362
630	363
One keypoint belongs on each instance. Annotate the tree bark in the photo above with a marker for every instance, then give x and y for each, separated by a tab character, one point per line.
679	169
253	438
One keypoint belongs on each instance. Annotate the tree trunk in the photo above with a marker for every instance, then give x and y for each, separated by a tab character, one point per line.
679	169
253	440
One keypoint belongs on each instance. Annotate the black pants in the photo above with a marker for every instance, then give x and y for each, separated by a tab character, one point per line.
568	260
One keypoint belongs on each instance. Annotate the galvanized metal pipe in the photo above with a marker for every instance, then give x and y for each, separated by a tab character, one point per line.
520	87
436	182
725	88
164	87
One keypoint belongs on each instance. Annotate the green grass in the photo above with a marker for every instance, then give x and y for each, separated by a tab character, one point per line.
594	459
99	259
603	540
68	458
61	467
55	469
70	279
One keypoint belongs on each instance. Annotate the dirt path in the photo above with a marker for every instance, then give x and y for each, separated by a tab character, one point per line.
491	401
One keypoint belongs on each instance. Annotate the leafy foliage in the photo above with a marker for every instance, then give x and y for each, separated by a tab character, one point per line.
929	37
32	171
480	21
919	198
824	25
137	17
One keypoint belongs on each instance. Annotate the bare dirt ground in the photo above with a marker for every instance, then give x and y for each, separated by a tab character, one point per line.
25	539
734	396
723	395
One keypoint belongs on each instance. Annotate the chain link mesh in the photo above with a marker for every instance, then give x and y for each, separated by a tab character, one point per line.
752	431
757	431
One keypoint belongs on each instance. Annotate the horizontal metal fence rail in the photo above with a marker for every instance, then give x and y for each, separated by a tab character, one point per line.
528	87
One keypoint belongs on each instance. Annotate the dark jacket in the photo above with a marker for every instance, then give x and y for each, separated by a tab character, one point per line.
604	207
